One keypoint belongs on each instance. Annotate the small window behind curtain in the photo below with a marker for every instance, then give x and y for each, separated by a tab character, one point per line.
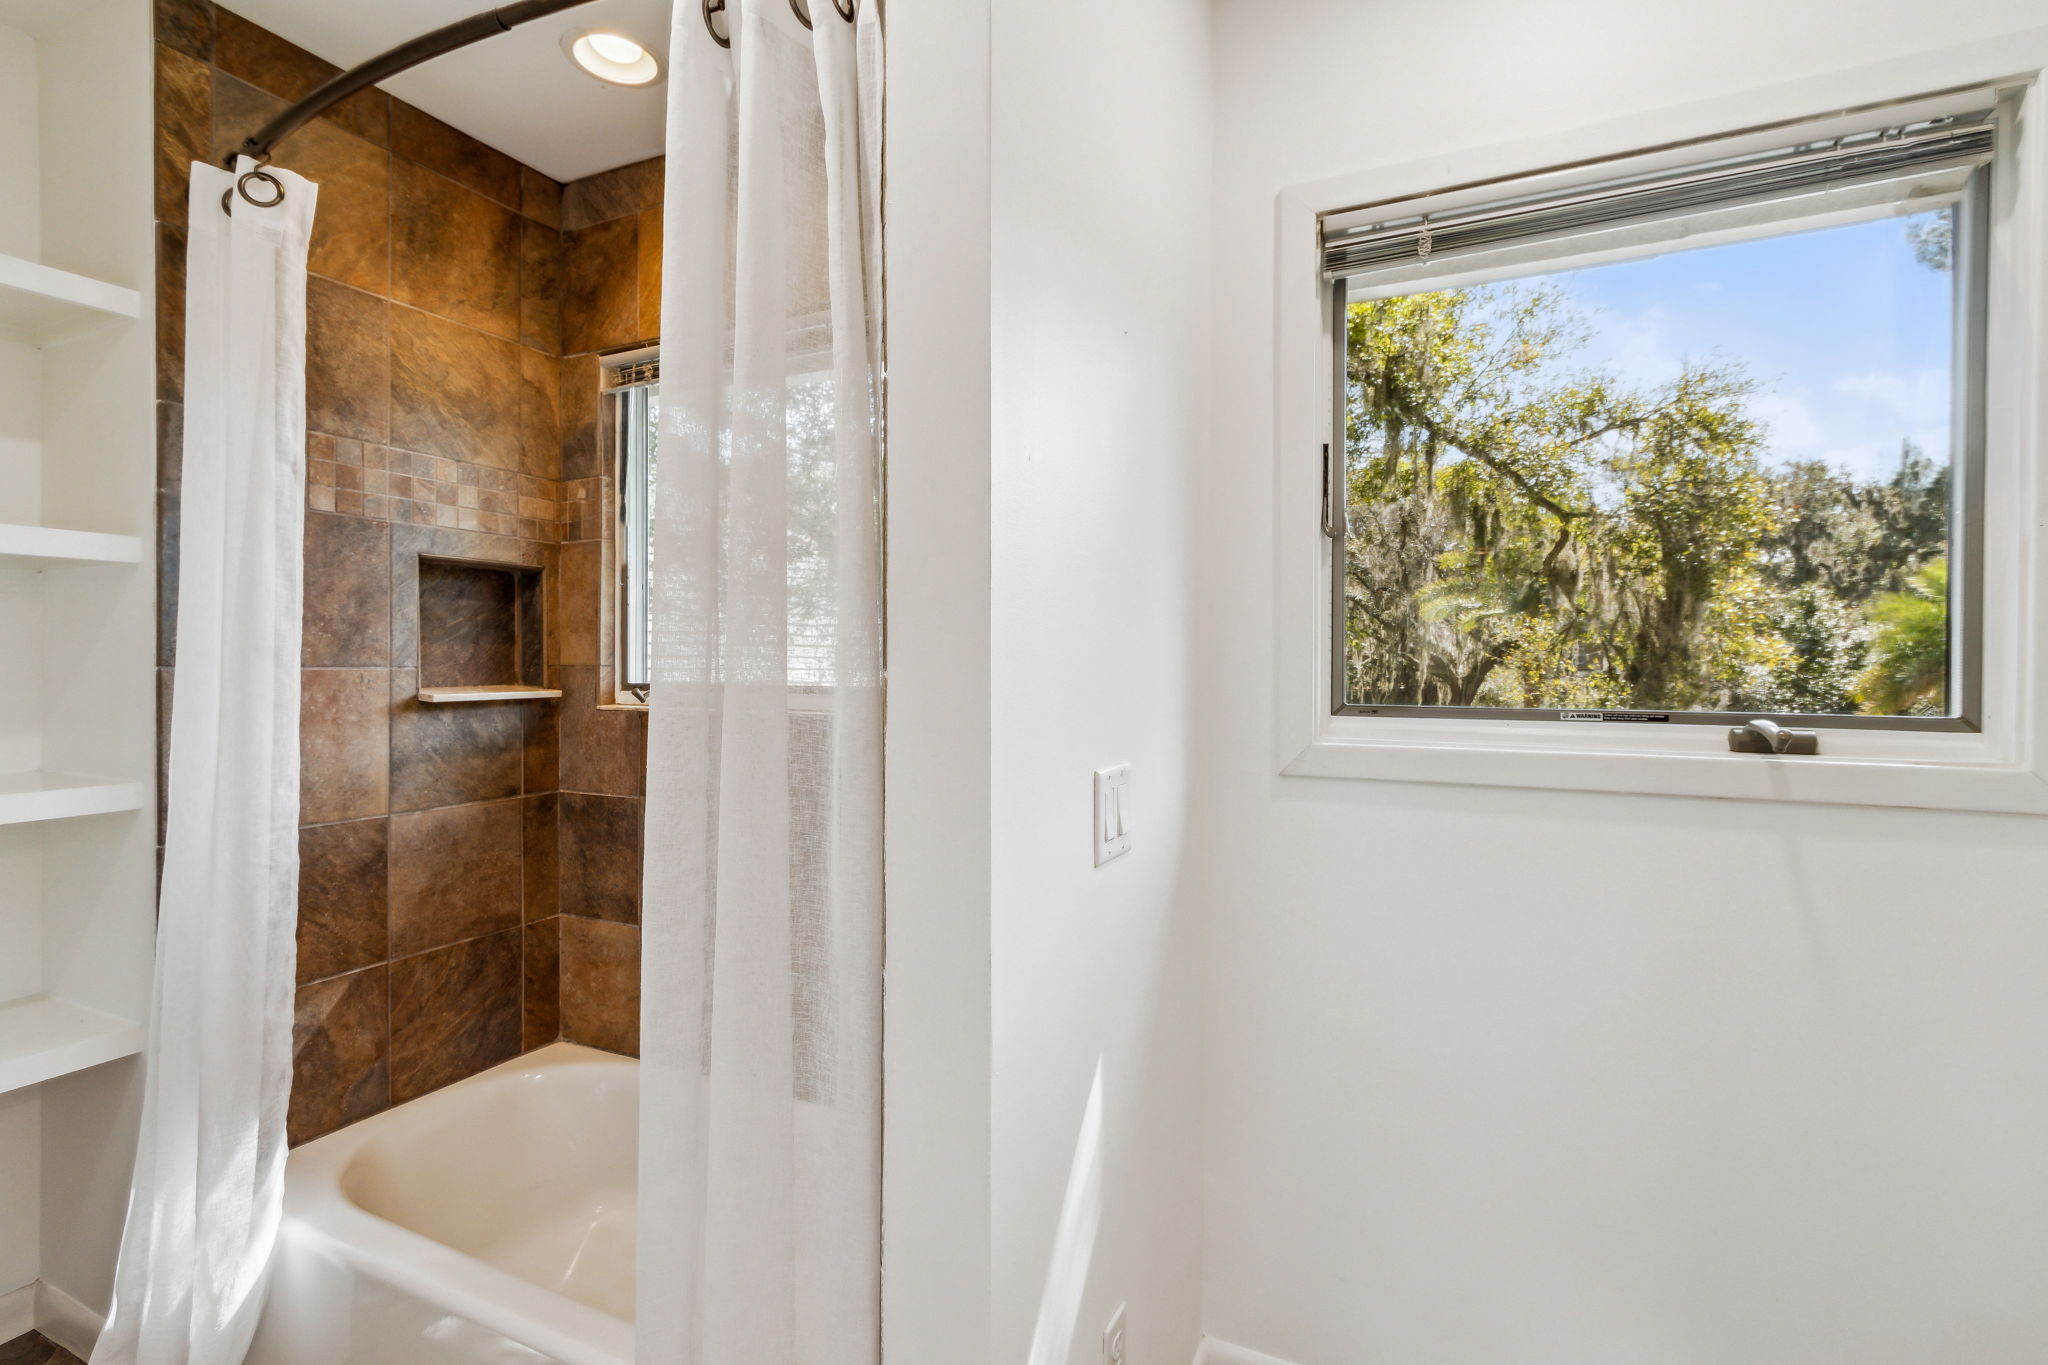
633	397
1678	449
636	419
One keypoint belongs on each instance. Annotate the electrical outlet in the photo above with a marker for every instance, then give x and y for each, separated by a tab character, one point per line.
1113	1339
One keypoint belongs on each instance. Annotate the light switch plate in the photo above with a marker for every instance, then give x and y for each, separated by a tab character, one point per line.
1112	812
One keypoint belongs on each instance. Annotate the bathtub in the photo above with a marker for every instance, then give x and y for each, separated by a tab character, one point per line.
488	1222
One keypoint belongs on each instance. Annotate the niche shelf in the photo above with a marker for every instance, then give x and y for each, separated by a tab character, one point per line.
32	796
42	547
42	1038
502	692
40	304
481	633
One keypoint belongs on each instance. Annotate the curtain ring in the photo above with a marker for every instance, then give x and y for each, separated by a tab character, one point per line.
716	7
241	187
801	9
847	10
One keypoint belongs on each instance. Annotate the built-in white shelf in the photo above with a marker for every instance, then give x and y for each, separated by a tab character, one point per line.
504	692
26	797
43	547
40	304
43	1038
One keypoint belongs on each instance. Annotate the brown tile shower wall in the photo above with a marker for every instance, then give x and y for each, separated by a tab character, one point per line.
611	299
469	873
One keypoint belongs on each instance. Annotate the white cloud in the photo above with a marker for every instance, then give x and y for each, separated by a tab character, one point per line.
1635	348
1857	422
1795	433
1919	400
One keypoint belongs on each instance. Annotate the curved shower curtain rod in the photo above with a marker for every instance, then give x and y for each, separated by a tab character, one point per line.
263	142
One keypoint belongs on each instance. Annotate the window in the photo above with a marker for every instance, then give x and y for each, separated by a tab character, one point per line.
1689	446
632	401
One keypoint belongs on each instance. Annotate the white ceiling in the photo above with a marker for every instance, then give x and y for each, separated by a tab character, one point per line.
519	91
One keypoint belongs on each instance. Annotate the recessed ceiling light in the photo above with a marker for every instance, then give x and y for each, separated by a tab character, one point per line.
614	57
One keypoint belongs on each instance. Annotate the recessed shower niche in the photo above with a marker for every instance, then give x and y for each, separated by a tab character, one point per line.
482	634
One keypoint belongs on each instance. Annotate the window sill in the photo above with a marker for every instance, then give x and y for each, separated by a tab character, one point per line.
1934	771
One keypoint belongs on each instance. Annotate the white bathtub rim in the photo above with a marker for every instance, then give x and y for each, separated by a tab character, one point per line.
317	1210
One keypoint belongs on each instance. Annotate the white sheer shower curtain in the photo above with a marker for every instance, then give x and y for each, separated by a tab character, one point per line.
208	1188
762	919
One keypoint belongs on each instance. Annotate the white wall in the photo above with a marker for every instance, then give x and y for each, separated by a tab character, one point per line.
20	168
935	1059
1045	396
1524	1076
1100	198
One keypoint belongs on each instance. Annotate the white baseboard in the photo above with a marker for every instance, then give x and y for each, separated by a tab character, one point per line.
1214	1352
17	1312
66	1321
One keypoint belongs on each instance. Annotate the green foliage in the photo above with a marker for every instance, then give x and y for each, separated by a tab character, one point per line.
1908	672
1826	641
1858	538
1524	532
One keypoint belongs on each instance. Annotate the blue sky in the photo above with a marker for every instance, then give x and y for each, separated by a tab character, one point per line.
1847	332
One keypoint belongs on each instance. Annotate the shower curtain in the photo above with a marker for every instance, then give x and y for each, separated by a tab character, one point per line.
762	920
204	1205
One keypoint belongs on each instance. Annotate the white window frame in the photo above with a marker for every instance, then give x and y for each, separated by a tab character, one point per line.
2002	766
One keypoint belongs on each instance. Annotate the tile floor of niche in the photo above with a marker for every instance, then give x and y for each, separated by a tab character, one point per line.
35	1349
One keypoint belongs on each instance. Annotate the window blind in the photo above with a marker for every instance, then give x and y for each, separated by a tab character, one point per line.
1905	157
631	374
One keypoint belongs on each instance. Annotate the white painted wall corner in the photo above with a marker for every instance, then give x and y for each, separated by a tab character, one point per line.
66	1321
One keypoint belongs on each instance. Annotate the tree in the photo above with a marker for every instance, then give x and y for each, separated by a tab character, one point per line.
1932	238
1828	642
1908	672
1524	533
1857	538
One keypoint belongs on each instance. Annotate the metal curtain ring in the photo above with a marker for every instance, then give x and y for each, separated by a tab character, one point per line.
712	8
846	11
227	197
802	10
264	177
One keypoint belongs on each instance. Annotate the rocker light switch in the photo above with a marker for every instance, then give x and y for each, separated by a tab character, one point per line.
1112	813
